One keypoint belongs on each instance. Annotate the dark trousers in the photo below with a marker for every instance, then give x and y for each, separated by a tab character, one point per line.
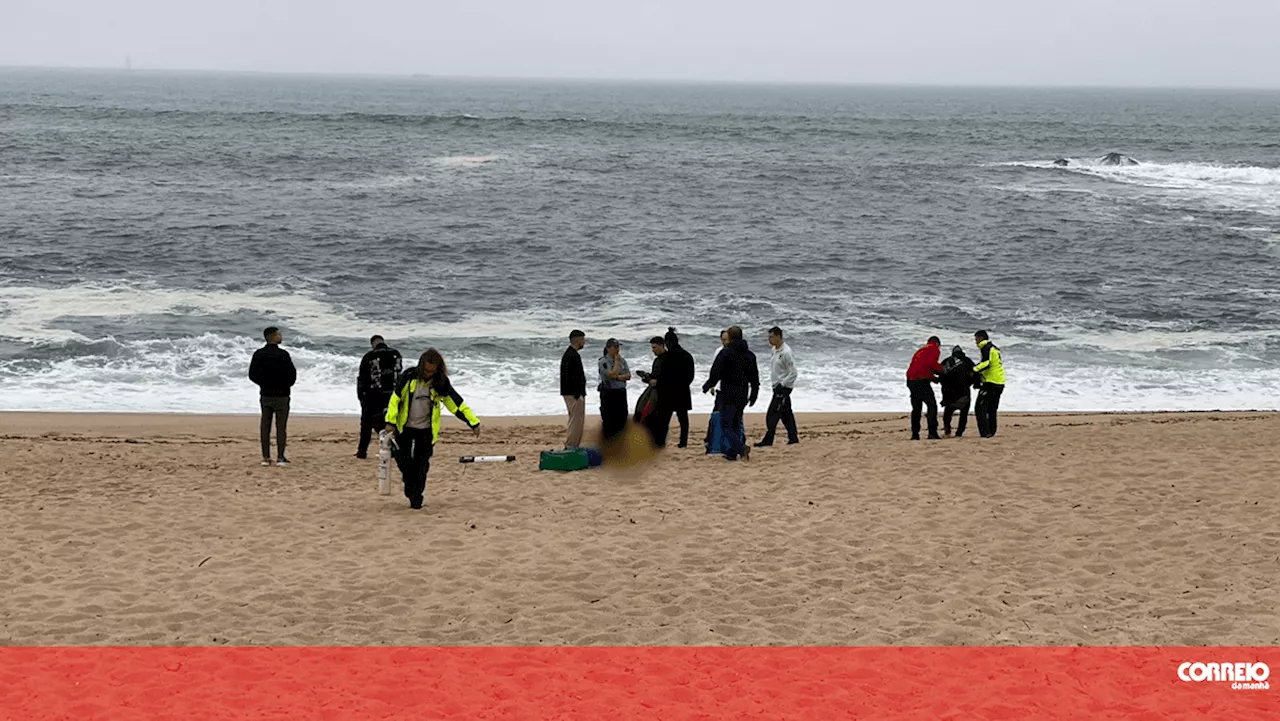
373	415
730	419
660	425
986	408
960	405
780	410
922	397
414	459
277	408
613	411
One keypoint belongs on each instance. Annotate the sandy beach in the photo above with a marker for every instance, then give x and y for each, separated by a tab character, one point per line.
1073	529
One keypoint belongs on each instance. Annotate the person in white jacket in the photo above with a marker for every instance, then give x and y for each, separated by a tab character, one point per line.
783	377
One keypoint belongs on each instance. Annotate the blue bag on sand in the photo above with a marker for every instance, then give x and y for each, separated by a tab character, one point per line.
594	457
716	436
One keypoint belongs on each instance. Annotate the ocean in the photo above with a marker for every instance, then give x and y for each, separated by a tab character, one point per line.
151	224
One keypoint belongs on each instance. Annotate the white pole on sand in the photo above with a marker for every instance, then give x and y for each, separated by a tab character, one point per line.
486	459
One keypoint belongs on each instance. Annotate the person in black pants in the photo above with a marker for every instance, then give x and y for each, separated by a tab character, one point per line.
736	372
921	375
957	378
379	370
273	372
991	371
413	417
783	376
673	389
614	374
716	404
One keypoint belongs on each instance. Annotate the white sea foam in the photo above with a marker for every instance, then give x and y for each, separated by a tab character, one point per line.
31	314
207	372
1233	187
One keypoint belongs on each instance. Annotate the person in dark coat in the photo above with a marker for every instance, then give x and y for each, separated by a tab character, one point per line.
380	368
957	378
674	396
273	371
573	388
647	404
738	376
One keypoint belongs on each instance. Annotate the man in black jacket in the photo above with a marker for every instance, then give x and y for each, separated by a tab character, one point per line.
272	370
957	378
739	378
379	370
573	388
673	389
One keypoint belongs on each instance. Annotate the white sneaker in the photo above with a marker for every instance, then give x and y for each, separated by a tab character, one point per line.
282	463
265	463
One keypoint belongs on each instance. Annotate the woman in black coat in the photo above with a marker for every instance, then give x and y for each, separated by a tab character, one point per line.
676	375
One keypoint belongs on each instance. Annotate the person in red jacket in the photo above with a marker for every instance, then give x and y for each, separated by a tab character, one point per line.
924	371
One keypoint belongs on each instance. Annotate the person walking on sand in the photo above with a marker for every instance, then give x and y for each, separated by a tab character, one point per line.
957	379
991	372
573	388
413	416
921	375
738	376
614	374
380	368
782	376
272	371
715	405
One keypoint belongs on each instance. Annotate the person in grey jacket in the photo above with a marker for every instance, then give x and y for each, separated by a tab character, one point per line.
782	376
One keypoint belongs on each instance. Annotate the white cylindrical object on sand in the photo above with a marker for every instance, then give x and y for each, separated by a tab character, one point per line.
384	464
486	459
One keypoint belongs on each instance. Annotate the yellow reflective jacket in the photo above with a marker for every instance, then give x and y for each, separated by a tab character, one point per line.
991	368
442	393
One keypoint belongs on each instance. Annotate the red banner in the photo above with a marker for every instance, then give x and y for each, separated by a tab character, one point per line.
885	684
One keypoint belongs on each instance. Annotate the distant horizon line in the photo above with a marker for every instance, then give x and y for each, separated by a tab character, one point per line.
131	69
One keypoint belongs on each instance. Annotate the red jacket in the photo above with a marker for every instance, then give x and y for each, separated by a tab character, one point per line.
924	364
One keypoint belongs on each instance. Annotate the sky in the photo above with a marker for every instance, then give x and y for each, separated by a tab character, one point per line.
1159	43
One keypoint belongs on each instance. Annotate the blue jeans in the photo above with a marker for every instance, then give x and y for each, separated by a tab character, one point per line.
730	419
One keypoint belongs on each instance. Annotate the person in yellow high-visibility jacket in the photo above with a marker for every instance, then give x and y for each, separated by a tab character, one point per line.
413	416
990	371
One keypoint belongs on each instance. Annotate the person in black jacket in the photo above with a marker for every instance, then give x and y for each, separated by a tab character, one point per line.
674	378
736	371
957	378
272	370
573	388
379	370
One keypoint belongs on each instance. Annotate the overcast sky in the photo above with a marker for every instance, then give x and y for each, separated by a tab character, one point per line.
1234	43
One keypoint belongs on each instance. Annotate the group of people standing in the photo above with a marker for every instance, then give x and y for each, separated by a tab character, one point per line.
734	374
957	375
406	403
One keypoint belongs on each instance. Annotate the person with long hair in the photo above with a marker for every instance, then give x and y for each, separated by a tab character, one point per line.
413	416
